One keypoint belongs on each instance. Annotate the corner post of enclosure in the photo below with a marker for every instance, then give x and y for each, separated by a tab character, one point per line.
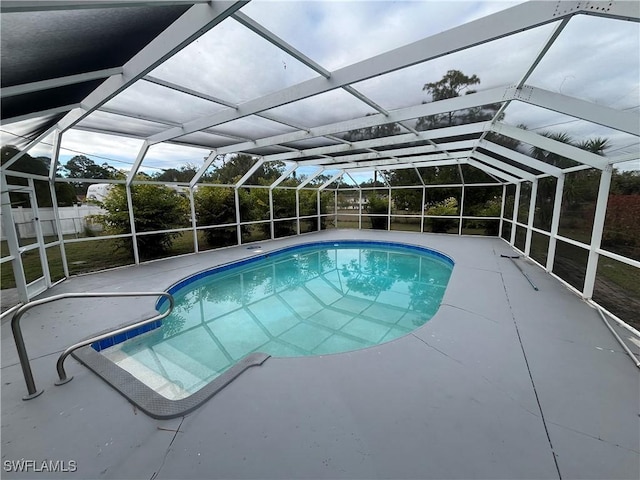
555	222
514	218
532	212
12	239
55	156
194	223
598	229
504	196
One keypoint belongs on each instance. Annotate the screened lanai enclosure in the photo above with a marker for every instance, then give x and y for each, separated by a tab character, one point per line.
138	130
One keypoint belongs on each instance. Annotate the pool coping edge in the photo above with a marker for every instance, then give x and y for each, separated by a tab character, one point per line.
148	400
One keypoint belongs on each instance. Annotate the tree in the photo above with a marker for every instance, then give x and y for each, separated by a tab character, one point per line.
65	193
625	183
184	174
377	131
452	85
408	199
234	169
83	167
155	207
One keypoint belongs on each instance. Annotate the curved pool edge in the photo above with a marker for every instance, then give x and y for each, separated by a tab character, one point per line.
151	402
176	286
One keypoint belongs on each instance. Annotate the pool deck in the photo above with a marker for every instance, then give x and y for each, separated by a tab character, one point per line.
504	382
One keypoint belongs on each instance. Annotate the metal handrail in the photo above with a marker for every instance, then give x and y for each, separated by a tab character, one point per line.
22	350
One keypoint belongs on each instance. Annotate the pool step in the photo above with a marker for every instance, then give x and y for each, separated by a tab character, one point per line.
185	362
146	375
164	363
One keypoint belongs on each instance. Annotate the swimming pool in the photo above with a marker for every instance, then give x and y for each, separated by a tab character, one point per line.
310	299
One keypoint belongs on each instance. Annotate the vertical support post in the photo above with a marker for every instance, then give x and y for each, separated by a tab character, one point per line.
271	227
422	205
56	214
238	227
297	211
555	222
55	158
194	223
55	153
504	195
532	212
12	240
514	217
39	234
461	210
335	208
389	211
598	229
318	205
132	222
360	209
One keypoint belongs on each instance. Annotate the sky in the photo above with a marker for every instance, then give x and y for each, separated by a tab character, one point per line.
594	59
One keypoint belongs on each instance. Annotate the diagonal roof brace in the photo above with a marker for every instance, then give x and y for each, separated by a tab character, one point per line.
560	148
459	130
520	158
310	178
493	171
503	166
250	172
466	144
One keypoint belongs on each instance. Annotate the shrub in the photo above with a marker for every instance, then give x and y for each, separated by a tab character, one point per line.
622	228
447	207
217	206
491	208
154	207
378	205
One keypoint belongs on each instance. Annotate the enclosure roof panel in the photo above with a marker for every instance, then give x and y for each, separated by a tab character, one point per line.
40	46
310	82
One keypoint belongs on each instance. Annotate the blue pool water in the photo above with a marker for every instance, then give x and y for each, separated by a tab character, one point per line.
312	299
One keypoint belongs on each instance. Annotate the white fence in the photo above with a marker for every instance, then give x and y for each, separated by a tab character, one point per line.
73	220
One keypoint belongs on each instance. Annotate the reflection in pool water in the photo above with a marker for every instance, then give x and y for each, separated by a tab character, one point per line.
309	301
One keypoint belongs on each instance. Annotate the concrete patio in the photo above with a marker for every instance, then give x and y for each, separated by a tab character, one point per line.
504	382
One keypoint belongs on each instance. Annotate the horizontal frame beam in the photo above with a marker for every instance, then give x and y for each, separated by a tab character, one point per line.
58	82
14	6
